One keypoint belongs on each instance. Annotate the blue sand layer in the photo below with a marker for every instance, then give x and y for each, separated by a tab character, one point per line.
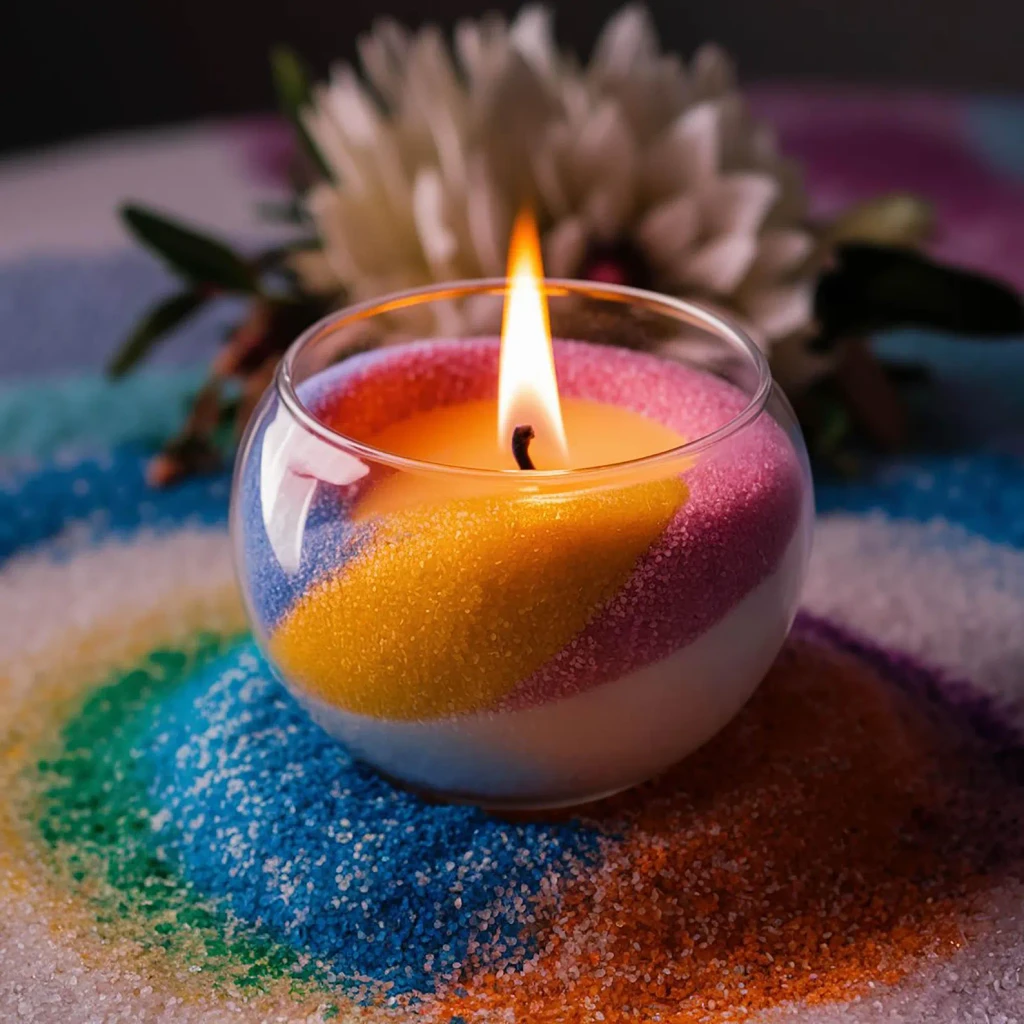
41	418
262	809
984	494
105	495
71	313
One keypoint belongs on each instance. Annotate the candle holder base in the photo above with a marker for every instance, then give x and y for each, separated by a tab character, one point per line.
528	641
514	808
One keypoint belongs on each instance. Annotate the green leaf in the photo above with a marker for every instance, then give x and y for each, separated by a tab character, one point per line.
873	287
197	257
833	430
896	219
291	83
163	317
828	427
290	80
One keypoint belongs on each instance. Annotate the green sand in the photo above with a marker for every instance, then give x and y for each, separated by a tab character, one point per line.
94	817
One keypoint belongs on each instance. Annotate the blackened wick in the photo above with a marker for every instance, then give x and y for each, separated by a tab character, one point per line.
521	438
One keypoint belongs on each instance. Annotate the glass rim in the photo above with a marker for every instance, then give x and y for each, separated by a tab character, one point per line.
680	309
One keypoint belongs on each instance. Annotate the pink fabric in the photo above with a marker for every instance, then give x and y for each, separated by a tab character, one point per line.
855	145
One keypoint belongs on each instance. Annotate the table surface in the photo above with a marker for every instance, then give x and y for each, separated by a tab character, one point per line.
917	581
63	200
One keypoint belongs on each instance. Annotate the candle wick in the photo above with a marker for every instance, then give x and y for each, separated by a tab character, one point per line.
521	438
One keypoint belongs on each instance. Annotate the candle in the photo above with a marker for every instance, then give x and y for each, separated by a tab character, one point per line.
478	434
537	566
541	621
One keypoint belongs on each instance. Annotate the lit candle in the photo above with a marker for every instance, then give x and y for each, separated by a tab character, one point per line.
534	567
525	628
570	434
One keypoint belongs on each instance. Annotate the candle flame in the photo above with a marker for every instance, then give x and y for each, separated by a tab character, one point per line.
527	388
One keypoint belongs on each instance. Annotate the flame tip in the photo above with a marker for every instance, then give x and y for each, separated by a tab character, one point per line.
527	386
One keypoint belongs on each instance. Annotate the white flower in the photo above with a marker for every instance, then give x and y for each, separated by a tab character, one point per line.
638	168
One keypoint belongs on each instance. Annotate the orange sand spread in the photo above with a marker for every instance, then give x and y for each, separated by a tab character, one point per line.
834	833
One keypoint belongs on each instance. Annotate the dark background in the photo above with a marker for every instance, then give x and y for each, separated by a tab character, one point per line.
70	68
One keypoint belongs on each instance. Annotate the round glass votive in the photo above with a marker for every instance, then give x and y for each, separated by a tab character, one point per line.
522	638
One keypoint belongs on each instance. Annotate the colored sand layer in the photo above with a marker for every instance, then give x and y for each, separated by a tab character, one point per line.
922	559
830	835
185	841
450	607
104	831
460	604
835	832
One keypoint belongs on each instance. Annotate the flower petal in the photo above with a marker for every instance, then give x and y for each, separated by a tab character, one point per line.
627	41
352	109
791	206
669	229
781	311
361	142
711	72
510	114
685	156
330	143
315	271
607	146
627	65
324	206
362	236
440	103
382	53
531	35
739	203
481	45
436	238
565	245
720	265
488	218
547	165
781	252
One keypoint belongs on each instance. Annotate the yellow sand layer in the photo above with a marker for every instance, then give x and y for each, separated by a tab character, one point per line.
454	603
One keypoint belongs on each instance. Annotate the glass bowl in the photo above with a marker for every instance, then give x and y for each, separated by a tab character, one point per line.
522	638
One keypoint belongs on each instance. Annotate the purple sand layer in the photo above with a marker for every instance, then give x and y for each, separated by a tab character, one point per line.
984	715
745	502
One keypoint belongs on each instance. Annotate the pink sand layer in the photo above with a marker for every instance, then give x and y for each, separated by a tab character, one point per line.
744	504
